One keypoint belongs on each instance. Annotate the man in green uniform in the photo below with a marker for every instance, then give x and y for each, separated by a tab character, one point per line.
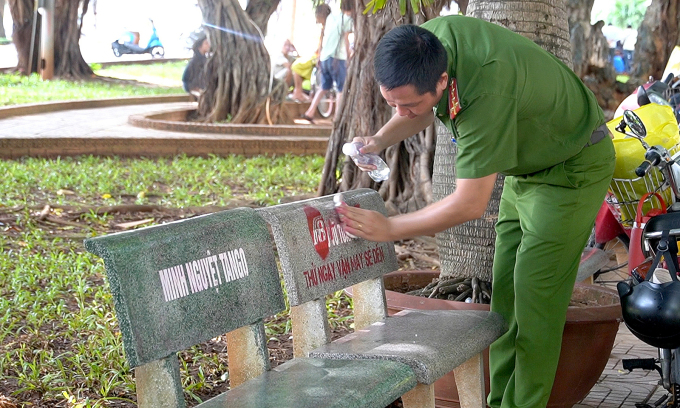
515	109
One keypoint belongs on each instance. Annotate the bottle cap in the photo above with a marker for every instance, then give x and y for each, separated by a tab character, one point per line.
350	149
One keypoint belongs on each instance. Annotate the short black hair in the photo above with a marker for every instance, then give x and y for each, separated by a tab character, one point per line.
410	55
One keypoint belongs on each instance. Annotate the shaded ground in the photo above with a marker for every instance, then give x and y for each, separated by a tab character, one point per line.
72	222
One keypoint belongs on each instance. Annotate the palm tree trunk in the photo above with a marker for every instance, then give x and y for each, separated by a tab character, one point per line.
467	250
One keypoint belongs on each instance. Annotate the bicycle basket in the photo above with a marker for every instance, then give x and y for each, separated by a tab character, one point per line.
626	187
626	194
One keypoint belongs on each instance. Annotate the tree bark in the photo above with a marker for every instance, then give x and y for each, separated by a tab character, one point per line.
543	22
656	39
260	11
590	56
22	18
240	87
467	250
2	17
68	60
363	111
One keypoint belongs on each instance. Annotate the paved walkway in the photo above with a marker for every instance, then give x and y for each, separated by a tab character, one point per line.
616	387
106	130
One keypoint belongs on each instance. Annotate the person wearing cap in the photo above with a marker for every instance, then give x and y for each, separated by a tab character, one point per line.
513	108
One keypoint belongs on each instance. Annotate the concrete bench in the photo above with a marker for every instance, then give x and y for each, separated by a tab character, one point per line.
319	258
180	284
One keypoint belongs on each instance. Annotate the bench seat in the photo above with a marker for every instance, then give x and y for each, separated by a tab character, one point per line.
313	383
408	337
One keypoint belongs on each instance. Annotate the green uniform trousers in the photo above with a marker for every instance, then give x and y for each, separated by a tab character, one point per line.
544	222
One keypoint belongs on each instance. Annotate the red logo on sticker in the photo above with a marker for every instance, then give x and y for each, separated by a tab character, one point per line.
454	100
318	232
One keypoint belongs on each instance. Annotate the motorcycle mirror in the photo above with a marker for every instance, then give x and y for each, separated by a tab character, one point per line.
635	124
642	97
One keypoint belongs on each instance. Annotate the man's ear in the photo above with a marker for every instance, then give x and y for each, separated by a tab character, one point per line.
443	82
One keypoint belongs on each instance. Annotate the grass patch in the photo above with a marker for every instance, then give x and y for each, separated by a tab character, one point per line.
153	73
59	339
17	89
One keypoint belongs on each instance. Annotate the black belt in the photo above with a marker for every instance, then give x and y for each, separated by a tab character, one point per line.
598	135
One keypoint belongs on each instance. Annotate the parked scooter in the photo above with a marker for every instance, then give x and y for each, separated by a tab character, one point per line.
615	222
129	44
643	208
650	299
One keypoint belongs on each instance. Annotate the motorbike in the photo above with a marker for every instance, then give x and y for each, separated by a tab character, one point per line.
615	223
643	205
129	44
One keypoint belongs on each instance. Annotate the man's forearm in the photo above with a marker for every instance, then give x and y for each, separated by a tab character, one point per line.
399	128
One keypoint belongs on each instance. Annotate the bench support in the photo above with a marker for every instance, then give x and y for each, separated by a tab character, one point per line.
420	396
247	355
370	305
470	382
310	327
159	385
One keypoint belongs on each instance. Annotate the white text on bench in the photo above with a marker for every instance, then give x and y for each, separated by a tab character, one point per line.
201	274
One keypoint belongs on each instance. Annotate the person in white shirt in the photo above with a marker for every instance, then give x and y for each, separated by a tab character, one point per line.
334	54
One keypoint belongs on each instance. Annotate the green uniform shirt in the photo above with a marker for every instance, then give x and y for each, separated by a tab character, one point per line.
522	110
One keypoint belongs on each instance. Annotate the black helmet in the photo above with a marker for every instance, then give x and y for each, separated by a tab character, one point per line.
651	310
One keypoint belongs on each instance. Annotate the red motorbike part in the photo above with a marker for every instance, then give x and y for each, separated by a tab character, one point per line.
607	227
635	256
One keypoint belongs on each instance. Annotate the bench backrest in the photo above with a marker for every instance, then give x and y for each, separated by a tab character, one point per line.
318	257
180	284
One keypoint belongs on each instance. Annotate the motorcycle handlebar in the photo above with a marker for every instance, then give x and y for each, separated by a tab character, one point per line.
643	168
652	158
669	78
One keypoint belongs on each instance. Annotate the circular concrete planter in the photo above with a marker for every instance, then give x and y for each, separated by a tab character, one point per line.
587	341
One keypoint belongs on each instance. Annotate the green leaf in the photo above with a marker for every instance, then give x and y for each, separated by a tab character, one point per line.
415	4
402	7
369	5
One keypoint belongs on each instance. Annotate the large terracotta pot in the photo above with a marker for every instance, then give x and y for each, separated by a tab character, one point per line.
586	343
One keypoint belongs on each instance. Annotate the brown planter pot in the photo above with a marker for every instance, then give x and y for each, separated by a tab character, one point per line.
587	341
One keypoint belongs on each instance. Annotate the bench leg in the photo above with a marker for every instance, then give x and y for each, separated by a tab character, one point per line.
470	383
310	326
247	354
158	384
422	396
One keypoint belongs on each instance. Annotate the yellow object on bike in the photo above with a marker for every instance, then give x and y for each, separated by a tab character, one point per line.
662	129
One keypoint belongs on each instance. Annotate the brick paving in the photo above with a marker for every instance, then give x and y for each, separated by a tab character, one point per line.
106	131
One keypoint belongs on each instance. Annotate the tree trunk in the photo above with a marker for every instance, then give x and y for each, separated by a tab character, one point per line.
590	55
22	18
68	61
543	22
467	250
656	39
240	87
363	111
2	17
260	11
